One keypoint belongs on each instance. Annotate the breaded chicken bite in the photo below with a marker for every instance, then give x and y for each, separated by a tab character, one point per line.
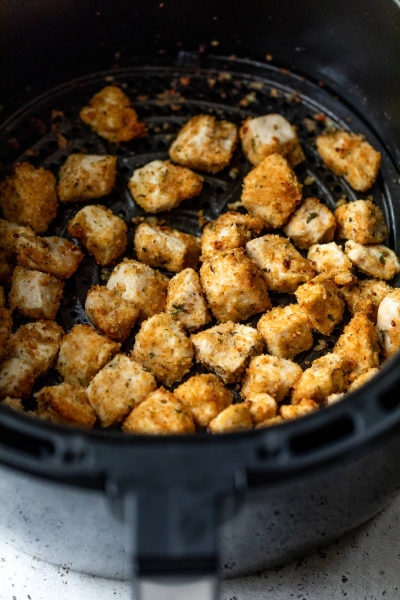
120	386
327	375
161	346
272	191
161	413
110	115
53	255
331	261
388	323
86	176
205	144
109	313
320	300
362	379
206	397
185	300
286	331
270	375
227	349
359	344
37	344
365	296
66	404
234	287
29	197
16	378
103	234
269	134
141	285
262	407
230	230
361	221
36	295
282	266
161	246
9	234
236	417
312	223
160	185
6	324
350	156
376	261
83	352
295	411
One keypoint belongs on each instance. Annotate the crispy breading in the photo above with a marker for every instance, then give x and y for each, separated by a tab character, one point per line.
270	375
65	404
86	176
320	300
278	420
16	378
29	197
37	343
361	221
363	378
376	261
206	396
388	323
14	403
36	295
236	417
230	230
6	324
205	144
54	255
312	223
333	398
327	375
330	260
103	234
359	344
9	234
295	411
185	300
365	296
110	313
262	407
286	331
160	185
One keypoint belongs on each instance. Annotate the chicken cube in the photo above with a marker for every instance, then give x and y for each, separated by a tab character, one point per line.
282	266
7	264
365	296
236	417
350	156
320	300
230	230
120	386
206	397
388	323
361	221
36	295
312	223
269	134
103	234
205	144
161	246
110	115
161	413
234	287
83	352
29	197
185	300
161	346
66	404
327	375
141	285
272	191
160	185
37	344
53	255
86	176
262	407
227	349
16	378
109	313
270	375
295	411
6	324
359	344
286	331
330	260
362	379
9	234
376	261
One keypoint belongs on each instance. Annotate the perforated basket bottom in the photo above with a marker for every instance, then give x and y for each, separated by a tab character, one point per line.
48	129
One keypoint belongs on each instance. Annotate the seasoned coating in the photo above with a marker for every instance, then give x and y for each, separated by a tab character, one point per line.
270	375
365	296
160	185
109	313
361	221
320	300
227	349
6	324
269	134
36	295
272	191
295	411
28	197
278	420
234	287
185	300
65	404
376	261
359	344
53	255
83	352
388	323
7	263
14	403
9	234
312	223
117	388
333	398
330	260
262	407
230	230
363	378
110	115
16	378
2	297
161	246
37	344
86	176
161	413
286	331
204	144
327	375
350	156
206	397
103	234
236	417
161	346
141	285
282	266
